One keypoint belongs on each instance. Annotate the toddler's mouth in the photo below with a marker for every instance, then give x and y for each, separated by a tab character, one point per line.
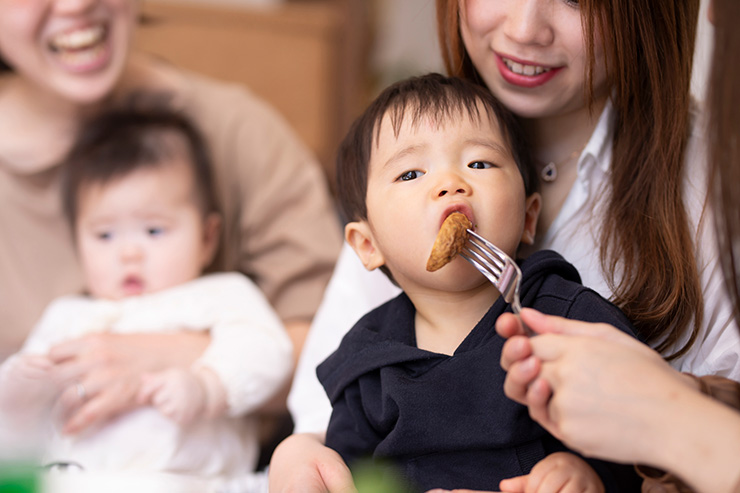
460	208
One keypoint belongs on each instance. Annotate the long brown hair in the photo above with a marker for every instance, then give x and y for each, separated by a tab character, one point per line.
724	132
647	249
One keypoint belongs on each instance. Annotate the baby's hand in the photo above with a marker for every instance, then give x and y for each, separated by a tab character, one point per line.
561	472
176	393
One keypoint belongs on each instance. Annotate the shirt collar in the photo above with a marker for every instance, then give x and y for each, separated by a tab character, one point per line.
599	146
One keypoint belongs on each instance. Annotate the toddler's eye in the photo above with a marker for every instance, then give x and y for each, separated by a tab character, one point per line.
104	235
154	231
410	175
480	165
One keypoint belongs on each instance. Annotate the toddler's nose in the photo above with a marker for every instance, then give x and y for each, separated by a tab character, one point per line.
451	184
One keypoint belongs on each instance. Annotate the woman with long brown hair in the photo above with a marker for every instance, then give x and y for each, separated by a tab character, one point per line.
602	88
642	410
645	245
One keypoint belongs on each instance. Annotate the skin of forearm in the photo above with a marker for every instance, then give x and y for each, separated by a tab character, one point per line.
701	443
191	346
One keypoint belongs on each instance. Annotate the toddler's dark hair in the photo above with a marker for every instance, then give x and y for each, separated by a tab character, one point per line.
429	95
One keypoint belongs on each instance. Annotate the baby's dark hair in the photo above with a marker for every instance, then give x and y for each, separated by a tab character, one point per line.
429	95
118	142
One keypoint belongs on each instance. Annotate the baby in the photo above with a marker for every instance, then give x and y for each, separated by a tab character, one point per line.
417	383
138	196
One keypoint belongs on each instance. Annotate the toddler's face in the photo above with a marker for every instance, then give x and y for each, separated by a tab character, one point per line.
143	233
417	179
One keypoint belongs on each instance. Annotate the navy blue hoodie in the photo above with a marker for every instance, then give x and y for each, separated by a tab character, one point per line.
444	421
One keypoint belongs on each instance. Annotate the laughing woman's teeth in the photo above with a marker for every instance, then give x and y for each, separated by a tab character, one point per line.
522	69
81	38
81	49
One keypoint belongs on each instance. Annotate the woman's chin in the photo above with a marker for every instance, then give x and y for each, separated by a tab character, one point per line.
85	87
85	91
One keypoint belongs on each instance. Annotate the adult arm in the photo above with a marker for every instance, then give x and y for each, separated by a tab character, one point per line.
280	227
609	396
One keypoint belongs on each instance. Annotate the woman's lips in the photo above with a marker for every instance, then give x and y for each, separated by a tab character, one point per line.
521	74
84	49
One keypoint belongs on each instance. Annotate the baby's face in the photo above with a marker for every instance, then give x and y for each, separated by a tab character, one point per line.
143	233
417	179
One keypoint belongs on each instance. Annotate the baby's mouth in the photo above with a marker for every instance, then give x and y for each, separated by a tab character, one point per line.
133	285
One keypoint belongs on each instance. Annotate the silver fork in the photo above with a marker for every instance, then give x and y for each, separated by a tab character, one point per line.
498	268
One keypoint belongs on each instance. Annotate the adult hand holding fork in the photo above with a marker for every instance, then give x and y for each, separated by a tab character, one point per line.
598	390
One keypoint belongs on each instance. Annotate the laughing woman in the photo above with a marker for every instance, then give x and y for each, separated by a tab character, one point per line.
62	61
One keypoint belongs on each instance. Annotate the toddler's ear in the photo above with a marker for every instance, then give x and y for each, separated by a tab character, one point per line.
360	238
531	214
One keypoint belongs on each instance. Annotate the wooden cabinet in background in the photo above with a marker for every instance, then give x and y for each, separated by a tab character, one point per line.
308	58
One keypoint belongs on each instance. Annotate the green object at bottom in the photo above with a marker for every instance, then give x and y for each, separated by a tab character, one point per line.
378	477
19	478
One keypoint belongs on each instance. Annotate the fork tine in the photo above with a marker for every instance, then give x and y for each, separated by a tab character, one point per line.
484	260
488	254
497	267
505	273
487	248
483	269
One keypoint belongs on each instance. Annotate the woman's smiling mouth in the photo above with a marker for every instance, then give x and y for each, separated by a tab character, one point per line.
82	49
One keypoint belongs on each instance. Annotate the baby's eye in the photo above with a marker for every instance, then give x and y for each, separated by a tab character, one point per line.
154	231
480	165
410	175
104	235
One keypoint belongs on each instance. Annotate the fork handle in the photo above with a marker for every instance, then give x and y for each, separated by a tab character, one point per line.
516	307
527	331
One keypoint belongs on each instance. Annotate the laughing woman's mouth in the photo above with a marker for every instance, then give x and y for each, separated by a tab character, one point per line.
523	74
82	49
521	69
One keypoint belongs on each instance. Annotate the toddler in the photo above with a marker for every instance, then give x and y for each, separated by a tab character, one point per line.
417	382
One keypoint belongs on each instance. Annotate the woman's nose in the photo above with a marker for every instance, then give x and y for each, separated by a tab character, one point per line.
528	23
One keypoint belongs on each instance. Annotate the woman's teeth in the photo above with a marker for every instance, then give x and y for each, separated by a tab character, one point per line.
522	69
78	39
